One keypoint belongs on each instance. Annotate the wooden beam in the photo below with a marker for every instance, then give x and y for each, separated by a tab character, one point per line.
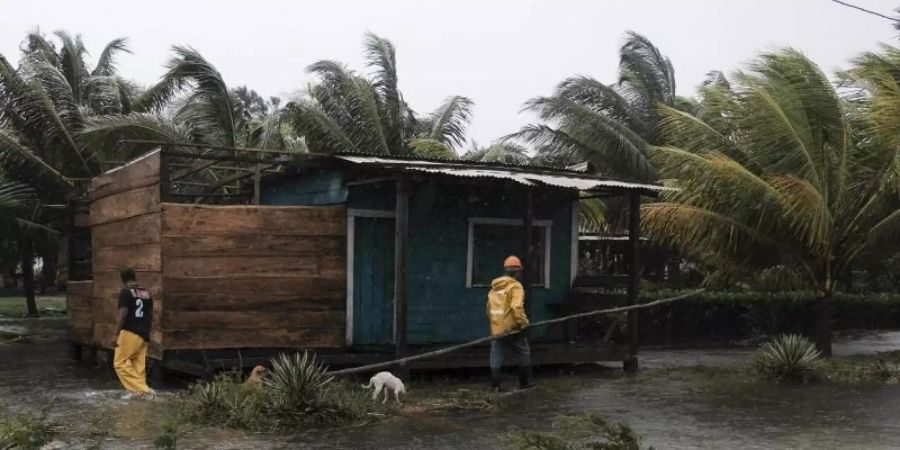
257	179
527	245
634	277
401	233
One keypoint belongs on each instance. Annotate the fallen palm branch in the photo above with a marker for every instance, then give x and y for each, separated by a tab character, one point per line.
453	348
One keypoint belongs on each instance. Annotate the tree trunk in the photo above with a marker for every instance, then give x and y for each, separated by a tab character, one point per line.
28	274
823	323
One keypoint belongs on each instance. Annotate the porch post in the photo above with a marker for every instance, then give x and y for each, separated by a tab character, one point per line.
401	232
527	244
257	179
165	185
634	256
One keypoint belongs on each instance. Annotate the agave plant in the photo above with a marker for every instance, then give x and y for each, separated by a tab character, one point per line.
296	382
789	357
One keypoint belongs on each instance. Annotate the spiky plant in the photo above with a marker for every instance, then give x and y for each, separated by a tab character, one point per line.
787	358
777	169
296	382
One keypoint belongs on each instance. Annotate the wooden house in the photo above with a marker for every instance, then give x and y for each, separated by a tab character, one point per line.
360	258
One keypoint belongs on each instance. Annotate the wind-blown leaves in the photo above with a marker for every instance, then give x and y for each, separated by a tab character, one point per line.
349	112
777	170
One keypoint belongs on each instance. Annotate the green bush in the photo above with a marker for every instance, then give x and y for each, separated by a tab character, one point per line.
722	316
24	430
788	358
574	433
297	391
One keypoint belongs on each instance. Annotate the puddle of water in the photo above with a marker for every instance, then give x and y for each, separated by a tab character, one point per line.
671	409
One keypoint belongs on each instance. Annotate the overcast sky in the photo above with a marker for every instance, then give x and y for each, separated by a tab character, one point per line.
499	53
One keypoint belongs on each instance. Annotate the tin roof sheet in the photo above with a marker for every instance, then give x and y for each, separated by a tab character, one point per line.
529	176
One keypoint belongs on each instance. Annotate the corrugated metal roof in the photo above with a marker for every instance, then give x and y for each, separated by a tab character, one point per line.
524	175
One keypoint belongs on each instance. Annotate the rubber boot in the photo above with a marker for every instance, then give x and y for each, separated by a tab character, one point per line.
525	377
496	375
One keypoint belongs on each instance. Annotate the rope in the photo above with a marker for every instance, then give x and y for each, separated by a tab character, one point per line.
482	340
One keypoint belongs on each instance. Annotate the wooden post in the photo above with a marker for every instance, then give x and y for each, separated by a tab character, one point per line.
401	232
527	244
165	186
257	178
634	273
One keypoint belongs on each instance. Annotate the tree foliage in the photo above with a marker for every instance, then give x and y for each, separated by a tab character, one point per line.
350	112
777	168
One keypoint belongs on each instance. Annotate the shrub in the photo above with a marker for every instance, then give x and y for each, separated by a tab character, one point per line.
725	316
577	432
24	430
297	391
790	357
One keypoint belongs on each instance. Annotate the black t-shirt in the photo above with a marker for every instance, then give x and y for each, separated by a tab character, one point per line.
140	310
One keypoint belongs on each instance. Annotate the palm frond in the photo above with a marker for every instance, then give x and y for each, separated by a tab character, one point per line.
449	121
106	64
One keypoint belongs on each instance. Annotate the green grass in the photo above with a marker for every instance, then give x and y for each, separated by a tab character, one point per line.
47	305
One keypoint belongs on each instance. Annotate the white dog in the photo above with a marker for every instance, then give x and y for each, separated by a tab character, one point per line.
388	382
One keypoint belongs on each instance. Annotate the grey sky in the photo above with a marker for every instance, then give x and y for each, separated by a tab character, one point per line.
499	53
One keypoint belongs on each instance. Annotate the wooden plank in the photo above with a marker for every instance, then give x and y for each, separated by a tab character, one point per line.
138	230
252	245
125	205
74	303
312	287
108	284
138	173
144	257
258	338
257	301
79	288
273	220
104	333
254	266
241	320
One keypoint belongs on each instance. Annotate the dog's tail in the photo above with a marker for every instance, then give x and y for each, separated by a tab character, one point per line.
367	386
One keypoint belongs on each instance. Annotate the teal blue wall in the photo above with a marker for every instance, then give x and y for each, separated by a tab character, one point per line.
325	187
441	308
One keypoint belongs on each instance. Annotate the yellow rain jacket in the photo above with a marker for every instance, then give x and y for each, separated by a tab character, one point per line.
506	306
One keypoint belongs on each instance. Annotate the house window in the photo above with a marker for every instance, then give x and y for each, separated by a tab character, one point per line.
492	240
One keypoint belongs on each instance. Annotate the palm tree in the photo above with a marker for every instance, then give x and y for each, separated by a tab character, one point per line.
192	104
45	103
502	151
777	168
611	125
349	112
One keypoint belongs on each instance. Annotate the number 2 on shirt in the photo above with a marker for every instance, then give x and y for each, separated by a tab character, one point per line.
139	311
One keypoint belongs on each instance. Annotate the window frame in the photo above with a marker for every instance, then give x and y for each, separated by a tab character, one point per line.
470	254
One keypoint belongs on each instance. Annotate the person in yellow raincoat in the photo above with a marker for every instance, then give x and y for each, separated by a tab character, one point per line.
133	319
506	312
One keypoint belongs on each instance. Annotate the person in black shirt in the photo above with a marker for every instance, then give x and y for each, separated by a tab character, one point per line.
133	319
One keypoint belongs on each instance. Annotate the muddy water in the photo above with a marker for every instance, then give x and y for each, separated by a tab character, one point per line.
672	407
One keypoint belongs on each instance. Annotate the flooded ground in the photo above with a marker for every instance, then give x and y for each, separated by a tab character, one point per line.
674	403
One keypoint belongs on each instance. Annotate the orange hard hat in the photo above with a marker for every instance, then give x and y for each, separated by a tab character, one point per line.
512	262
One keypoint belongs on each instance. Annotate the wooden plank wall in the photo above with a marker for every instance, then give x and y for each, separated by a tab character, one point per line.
125	229
79	311
253	276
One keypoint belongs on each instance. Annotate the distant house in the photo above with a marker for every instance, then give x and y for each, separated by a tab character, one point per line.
306	254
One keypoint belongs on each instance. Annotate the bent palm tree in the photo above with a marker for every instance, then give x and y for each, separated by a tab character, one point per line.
348	112
780	170
610	125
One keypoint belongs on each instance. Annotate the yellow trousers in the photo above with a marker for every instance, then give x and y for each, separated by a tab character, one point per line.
130	361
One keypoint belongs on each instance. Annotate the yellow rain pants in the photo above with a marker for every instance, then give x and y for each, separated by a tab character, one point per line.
130	361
